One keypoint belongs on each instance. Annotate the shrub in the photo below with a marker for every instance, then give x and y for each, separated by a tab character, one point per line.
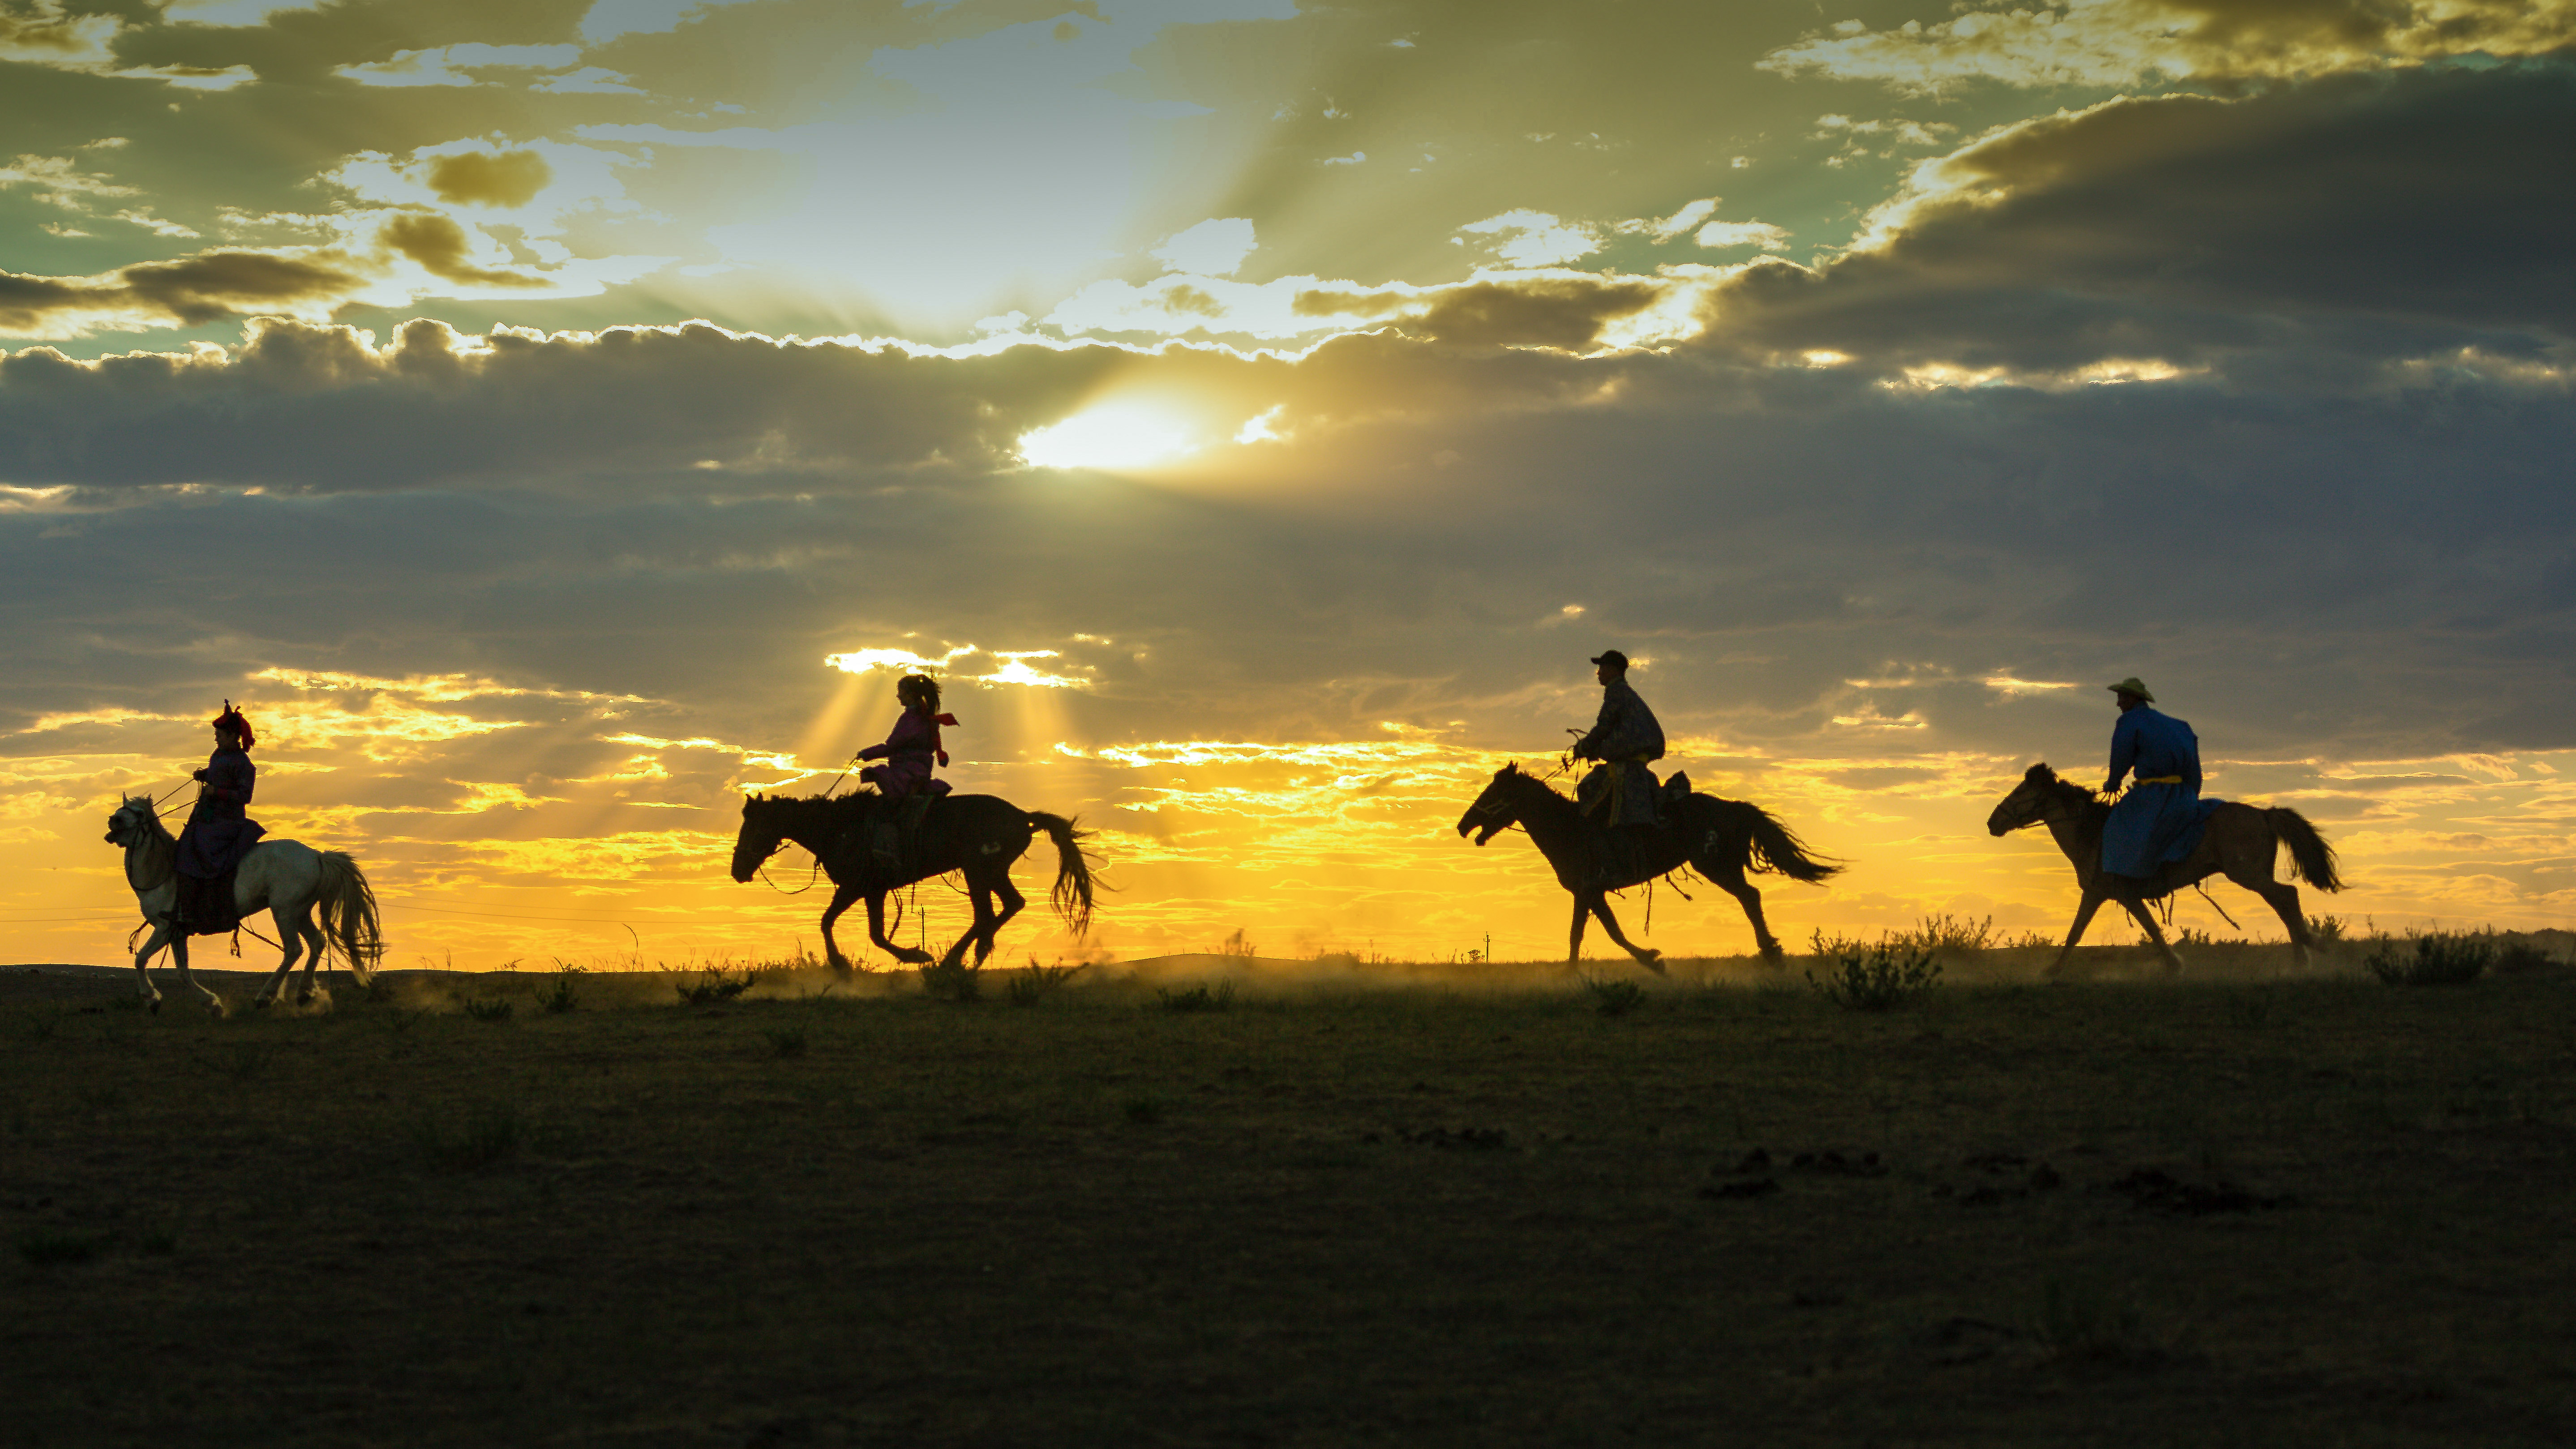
2518	956
1028	988
713	985
2436	960
1612	996
1878	980
489	1133
952	981
496	1009
1946	932
1197	998
2326	930
561	996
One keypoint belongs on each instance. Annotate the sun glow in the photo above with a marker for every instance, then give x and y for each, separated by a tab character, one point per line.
1113	435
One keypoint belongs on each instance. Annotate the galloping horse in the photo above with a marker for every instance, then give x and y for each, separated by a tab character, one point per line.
981	835
290	879
2241	842
1720	839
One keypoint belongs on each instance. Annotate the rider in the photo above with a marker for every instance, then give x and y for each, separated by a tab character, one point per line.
905	777
2159	820
219	831
1620	790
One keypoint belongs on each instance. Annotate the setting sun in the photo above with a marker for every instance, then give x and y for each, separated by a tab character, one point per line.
1113	435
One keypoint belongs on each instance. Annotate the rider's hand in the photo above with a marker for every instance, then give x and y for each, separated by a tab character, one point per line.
2108	789
200	776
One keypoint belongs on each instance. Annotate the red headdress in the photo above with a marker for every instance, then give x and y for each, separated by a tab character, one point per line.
231	719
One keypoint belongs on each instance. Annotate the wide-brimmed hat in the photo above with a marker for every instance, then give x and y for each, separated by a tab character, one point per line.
1611	657
2131	685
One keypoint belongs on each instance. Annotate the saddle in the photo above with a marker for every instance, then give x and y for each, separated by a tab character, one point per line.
206	906
894	836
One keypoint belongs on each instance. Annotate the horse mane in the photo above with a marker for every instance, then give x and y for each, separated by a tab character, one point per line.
1530	787
818	809
151	817
2087	805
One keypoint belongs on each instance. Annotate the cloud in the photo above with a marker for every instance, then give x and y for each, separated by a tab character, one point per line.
203	288
1535	239
2384	217
1210	249
447	64
440	246
475	178
2127	42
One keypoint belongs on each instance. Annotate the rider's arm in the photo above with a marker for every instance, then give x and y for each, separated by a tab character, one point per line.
2124	752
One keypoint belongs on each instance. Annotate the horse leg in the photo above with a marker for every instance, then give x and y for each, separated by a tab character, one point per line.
292	940
976	930
1012	901
1749	896
842	895
909	955
1647	956
2283	898
2147	922
314	949
142	978
179	958
2083	917
1582	917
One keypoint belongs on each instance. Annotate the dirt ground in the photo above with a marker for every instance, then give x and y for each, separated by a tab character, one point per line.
1338	1205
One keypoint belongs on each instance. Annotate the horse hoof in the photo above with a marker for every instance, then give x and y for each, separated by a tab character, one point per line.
261	1003
152	1004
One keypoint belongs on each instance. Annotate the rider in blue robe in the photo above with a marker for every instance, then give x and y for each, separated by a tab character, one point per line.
2159	821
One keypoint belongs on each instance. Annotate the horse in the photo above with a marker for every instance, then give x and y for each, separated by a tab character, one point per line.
980	835
1721	839
2241	842
290	879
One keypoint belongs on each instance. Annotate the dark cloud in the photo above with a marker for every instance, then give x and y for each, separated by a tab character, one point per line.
475	178
1543	313
2389	214
202	288
441	248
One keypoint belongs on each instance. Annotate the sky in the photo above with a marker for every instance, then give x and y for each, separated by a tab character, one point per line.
551	419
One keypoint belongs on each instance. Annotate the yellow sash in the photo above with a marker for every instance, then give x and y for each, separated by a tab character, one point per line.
2160	780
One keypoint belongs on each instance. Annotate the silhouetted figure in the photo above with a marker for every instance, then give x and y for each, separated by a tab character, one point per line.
1620	790
2160	819
905	780
219	830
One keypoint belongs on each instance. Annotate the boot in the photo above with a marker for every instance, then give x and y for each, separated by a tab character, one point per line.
885	840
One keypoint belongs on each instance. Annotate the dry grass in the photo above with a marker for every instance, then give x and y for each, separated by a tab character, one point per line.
2249	1211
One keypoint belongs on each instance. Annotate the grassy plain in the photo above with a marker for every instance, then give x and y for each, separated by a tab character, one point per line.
2237	1209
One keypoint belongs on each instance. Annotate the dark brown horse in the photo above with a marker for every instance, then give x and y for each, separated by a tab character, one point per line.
1721	839
978	835
2241	842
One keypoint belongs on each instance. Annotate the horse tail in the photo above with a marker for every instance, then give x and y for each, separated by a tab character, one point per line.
1072	892
1769	845
2311	859
348	909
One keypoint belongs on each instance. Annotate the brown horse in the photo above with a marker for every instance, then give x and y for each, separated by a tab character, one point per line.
978	836
1721	839
2241	842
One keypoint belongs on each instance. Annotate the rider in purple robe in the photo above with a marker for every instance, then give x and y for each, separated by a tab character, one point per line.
908	753
220	831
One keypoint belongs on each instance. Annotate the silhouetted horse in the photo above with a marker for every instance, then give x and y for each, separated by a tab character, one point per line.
1720	839
980	835
2240	842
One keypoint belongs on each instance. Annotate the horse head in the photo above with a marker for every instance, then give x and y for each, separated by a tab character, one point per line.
126	827
2027	804
762	832
1494	810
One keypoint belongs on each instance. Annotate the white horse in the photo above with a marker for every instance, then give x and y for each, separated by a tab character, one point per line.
287	877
